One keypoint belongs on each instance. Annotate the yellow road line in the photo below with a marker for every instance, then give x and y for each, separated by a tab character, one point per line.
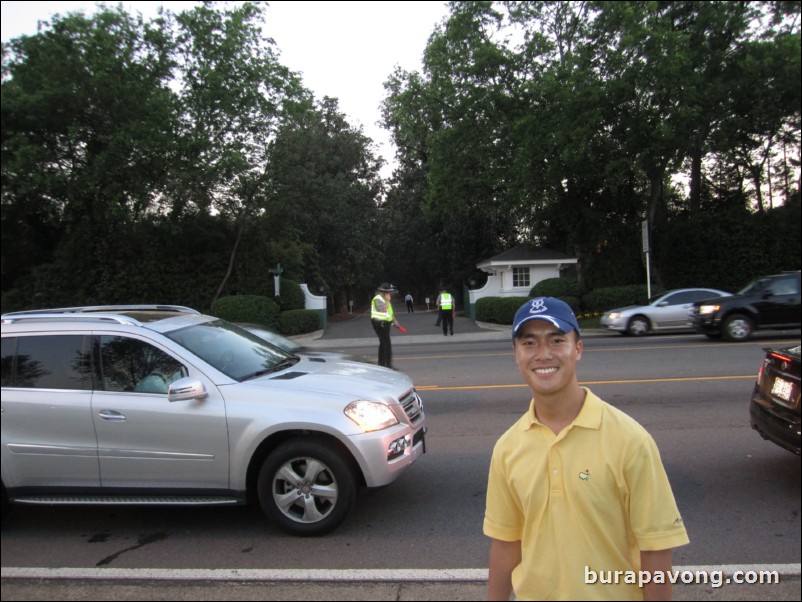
589	382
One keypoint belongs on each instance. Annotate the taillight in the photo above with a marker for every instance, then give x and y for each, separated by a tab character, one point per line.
763	365
782	358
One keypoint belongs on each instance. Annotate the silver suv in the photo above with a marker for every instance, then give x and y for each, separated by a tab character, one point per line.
163	405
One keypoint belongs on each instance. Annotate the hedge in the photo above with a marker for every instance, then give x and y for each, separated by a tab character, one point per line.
253	309
298	321
562	288
498	310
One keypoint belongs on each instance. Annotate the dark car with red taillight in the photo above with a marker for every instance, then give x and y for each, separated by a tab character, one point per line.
774	411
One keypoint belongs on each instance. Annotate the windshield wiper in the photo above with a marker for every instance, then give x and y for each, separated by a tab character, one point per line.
290	361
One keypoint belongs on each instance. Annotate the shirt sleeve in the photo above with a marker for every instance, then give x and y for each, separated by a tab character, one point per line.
654	517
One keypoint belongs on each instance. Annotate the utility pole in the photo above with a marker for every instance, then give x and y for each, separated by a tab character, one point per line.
646	245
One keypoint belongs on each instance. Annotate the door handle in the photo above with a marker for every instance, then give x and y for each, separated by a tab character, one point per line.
111	416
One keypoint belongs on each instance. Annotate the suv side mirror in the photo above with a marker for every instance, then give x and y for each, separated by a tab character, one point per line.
186	388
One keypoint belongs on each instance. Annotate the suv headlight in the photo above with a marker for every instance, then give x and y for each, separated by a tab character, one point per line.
706	310
370	415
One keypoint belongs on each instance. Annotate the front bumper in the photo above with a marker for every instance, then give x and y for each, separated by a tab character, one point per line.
619	325
706	325
384	455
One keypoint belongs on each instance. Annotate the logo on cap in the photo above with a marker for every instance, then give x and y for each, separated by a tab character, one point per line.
538	306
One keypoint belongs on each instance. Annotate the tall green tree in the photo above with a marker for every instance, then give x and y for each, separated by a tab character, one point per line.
232	88
87	124
454	123
324	175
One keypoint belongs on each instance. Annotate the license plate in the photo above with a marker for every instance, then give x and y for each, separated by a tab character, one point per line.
782	389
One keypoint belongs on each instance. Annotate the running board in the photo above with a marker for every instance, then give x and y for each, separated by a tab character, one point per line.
122	500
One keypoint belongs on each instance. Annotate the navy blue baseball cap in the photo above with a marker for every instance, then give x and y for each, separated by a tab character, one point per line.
549	309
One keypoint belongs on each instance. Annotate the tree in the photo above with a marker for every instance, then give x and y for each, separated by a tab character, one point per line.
325	176
86	135
232	88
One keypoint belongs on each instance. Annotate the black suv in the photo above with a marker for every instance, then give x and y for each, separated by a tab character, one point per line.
768	302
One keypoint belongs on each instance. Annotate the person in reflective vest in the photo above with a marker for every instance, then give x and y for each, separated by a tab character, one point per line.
445	302
381	316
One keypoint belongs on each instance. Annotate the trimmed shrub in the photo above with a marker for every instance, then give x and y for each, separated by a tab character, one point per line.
498	310
292	296
253	309
562	288
298	321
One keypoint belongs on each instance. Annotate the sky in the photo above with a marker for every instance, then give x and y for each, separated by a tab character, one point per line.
344	50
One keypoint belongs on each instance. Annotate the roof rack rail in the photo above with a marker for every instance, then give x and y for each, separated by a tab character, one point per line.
107	313
44	317
107	309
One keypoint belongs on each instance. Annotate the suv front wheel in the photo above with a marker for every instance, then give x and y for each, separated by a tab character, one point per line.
738	327
306	487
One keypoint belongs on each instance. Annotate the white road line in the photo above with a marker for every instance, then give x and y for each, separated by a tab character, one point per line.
317	575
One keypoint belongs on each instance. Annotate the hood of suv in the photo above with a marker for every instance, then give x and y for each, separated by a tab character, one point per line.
341	377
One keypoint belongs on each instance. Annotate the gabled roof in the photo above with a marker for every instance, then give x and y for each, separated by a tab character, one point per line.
526	253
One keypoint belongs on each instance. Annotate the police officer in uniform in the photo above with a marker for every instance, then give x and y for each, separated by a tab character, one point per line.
381	316
446	304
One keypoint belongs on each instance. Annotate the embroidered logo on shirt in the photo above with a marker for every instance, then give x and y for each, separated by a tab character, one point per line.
585	474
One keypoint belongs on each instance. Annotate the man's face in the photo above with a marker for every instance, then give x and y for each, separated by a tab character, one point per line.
547	357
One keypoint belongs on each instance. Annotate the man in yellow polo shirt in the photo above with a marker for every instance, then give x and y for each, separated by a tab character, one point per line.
579	506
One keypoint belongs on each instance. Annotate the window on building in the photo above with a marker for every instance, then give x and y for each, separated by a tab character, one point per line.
520	277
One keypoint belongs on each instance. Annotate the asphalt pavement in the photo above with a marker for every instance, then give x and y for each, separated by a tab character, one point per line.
355	330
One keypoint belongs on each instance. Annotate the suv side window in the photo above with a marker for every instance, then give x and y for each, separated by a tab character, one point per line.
9	346
131	365
784	286
47	362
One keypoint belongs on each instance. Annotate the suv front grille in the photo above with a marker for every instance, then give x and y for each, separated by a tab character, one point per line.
412	406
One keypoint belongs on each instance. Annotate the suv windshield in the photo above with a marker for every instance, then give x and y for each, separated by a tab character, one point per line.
232	350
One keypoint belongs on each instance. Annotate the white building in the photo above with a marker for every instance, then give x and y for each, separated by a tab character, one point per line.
514	272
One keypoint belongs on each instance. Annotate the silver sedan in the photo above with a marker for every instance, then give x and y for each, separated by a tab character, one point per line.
663	313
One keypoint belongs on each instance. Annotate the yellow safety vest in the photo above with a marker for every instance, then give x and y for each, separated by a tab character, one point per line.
384	316
446	301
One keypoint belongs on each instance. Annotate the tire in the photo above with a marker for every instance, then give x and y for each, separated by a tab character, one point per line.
738	327
306	487
638	326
